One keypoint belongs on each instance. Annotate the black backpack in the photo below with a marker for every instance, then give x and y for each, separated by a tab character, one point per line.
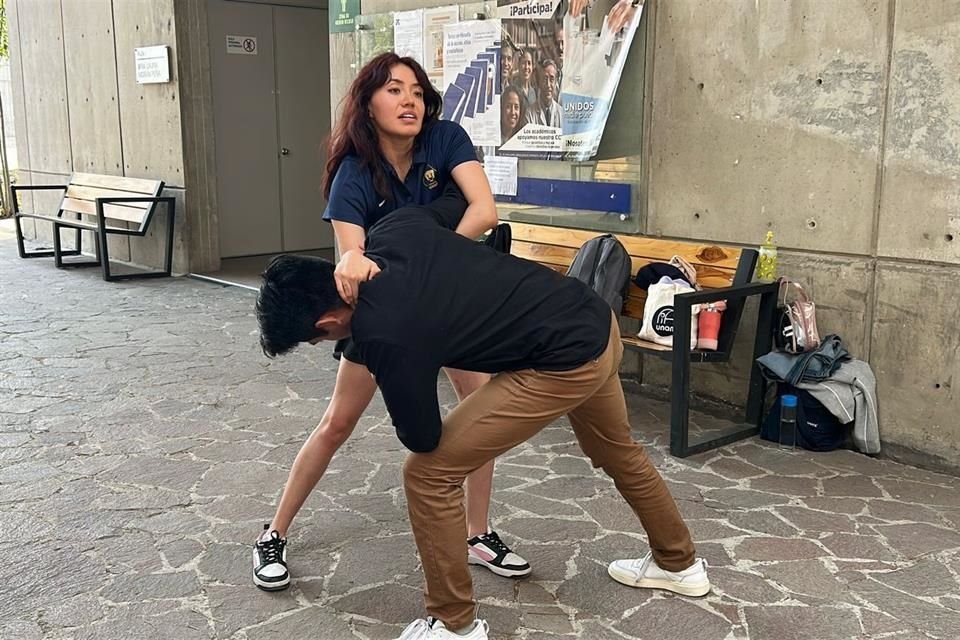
604	265
817	429
500	238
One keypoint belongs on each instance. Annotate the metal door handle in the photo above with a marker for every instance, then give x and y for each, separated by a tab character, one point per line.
284	151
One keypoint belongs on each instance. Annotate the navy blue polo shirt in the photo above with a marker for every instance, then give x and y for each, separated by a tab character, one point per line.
440	147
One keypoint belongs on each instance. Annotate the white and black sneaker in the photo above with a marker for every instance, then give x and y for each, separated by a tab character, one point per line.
489	550
270	561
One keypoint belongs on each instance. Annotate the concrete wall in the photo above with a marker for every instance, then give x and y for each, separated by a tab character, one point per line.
838	128
78	106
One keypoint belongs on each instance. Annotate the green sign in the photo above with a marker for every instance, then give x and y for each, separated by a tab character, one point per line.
343	13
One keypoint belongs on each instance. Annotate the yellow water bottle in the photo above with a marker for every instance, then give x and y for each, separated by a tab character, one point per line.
767	262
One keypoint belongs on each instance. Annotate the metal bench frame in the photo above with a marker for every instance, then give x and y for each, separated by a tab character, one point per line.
101	231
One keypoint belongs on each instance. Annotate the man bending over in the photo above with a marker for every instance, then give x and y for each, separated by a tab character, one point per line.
442	300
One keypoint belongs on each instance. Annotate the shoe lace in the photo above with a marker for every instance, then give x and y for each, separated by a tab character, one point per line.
493	541
271	550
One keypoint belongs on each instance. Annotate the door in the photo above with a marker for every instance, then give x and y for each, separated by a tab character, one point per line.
271	83
303	106
245	126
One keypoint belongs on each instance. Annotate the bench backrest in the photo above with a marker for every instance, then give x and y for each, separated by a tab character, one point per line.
84	189
716	266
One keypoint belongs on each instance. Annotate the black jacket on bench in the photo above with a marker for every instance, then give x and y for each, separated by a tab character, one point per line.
444	300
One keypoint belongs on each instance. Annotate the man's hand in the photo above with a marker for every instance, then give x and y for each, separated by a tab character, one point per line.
353	268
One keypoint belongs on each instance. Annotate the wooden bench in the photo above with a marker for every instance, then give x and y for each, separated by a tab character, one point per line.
100	203
725	273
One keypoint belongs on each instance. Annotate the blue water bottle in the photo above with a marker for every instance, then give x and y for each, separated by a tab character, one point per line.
788	422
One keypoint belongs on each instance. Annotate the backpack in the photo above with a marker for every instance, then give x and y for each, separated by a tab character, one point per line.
500	238
603	265
817	428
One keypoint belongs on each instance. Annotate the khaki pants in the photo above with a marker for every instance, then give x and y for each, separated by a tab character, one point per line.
506	411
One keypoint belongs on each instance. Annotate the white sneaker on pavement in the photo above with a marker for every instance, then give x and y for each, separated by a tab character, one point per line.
644	572
433	629
270	561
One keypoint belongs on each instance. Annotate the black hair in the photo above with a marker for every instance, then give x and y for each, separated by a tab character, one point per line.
296	291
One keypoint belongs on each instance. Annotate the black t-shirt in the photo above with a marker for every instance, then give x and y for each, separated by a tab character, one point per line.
444	300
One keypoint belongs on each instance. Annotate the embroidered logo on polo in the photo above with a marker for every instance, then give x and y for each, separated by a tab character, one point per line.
430	178
663	321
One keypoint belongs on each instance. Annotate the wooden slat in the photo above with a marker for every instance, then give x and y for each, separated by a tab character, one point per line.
114	212
651	248
92	193
133	185
709	277
637	343
633	305
543	253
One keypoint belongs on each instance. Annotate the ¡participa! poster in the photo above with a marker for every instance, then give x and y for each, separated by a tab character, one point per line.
560	64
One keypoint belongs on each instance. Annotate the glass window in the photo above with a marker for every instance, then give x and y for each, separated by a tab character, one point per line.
619	157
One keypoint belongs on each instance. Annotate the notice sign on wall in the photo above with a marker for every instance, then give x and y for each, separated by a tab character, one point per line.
343	15
153	64
242	45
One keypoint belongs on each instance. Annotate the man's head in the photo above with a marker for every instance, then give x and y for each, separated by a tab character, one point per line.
298	302
549	82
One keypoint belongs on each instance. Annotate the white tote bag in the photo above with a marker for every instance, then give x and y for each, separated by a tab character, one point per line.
658	314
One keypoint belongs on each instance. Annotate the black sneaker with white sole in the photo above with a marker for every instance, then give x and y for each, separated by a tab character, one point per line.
270	562
489	551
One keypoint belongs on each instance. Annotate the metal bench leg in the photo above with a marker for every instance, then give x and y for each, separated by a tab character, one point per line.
680	406
680	390
171	218
57	258
680	384
766	316
104	251
168	256
59	253
42	253
20	248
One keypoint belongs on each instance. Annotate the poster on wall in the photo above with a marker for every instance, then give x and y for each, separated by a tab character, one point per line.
470	69
561	62
419	35
408	34
434	20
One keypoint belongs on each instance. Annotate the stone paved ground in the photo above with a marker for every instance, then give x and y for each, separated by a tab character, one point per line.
143	440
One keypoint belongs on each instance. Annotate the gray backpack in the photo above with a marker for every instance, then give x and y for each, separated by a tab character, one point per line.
604	265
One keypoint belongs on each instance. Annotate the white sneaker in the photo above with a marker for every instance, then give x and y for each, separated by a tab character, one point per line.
644	572
433	629
270	561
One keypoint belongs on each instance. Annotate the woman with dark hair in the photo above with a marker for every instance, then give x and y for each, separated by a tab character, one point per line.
512	113
388	150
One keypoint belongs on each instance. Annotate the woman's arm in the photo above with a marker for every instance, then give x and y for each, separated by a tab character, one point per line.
481	213
353	267
349	236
